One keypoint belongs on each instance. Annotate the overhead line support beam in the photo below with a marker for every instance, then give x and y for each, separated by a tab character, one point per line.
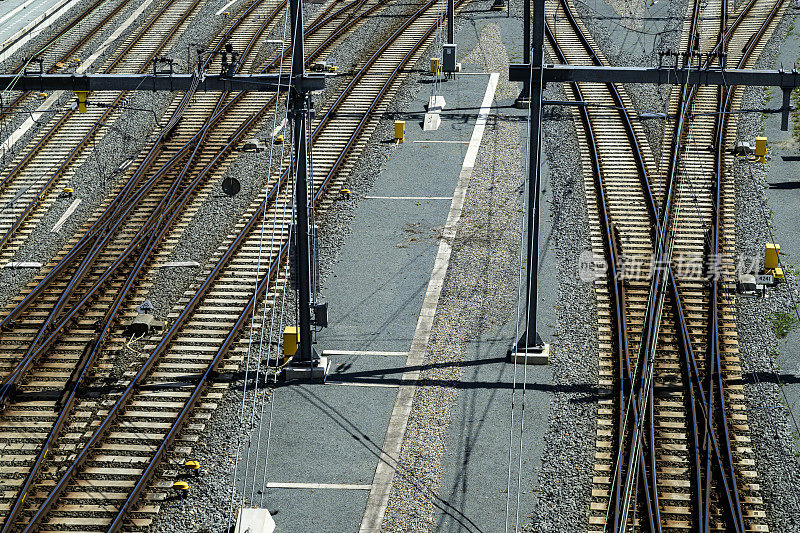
785	80
148	82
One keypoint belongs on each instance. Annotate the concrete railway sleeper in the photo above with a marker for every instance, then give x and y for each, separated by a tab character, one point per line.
76	153
382	92
49	47
232	140
610	237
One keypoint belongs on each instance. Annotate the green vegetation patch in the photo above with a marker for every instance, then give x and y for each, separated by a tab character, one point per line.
783	323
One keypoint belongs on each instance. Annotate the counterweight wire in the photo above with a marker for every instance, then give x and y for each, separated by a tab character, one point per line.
243	428
520	270
270	335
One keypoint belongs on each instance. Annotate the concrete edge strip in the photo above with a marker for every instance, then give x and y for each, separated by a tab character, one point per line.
357	384
14	12
71	209
362	352
51	100
408	197
337	486
390	454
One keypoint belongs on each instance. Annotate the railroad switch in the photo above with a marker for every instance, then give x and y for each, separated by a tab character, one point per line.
278	139
498	5
67	192
345	194
180	486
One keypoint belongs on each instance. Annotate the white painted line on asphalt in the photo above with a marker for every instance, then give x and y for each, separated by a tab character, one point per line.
191	264
337	486
442	142
390	454
71	209
362	352
22	264
356	384
226	6
12	139
408	197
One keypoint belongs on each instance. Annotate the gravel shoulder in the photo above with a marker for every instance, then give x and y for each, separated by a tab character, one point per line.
770	362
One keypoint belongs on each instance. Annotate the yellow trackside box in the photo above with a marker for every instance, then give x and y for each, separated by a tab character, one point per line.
761	148
291	341
399	131
435	66
771	251
82	97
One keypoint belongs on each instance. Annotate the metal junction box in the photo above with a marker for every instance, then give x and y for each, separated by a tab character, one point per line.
449	58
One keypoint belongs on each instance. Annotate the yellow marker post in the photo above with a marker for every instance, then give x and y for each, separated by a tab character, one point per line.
291	340
435	66
761	149
771	251
82	97
399	131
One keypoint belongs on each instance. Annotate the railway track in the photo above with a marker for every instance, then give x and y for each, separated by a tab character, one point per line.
157	395
38	174
688	473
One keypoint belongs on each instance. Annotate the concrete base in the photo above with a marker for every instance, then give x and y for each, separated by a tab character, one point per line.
302	372
533	356
436	104
254	521
432	122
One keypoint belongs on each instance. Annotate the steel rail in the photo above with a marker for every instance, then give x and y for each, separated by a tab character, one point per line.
75	279
714	364
119	206
616	288
166	339
61	33
685	343
135	243
262	286
96	343
22	216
